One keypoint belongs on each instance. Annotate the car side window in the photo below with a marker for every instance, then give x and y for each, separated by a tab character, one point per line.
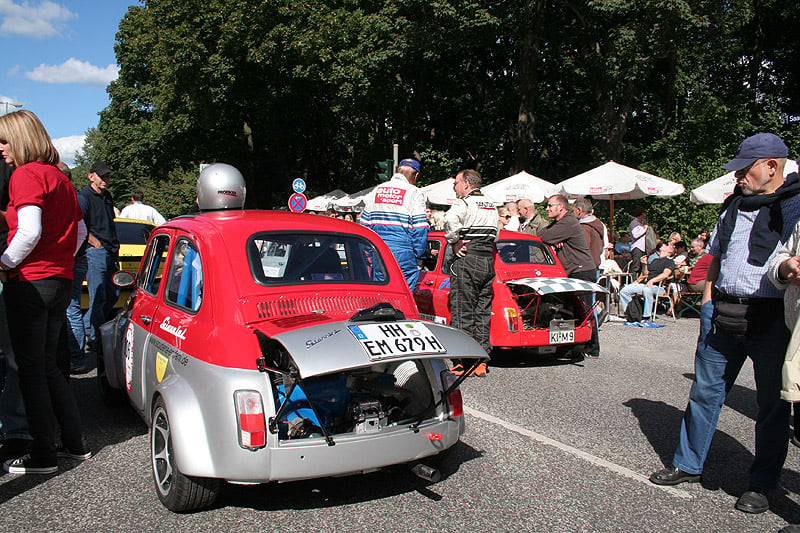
431	255
448	258
185	278
153	264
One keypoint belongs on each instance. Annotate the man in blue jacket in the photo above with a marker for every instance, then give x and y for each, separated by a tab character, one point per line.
395	210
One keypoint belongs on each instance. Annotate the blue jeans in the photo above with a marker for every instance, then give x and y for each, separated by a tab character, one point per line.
718	360
649	293
101	265
13	421
76	337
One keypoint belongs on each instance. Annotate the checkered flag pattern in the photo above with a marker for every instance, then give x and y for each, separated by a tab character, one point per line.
552	285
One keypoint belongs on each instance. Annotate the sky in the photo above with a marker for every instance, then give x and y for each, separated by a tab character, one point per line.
59	60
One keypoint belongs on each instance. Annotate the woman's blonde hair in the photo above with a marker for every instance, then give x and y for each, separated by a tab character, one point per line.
28	139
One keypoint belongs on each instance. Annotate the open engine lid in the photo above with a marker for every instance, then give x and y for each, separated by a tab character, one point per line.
545	286
345	345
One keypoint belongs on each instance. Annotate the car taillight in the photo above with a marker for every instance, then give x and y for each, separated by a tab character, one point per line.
454	401
250	415
512	315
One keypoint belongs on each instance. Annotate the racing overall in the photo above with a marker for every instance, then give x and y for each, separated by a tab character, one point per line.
396	212
474	220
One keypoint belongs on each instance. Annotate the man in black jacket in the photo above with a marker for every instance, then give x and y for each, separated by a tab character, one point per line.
103	249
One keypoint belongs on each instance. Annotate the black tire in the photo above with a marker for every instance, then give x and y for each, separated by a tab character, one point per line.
178	492
110	396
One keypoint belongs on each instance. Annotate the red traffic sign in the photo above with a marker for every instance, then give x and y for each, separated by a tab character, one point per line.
298	202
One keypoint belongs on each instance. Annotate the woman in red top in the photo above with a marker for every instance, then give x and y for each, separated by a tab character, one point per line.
43	218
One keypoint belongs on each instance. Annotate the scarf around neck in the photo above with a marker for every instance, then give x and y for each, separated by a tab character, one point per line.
768	225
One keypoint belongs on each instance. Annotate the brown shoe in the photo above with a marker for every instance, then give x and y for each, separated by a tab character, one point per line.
457	370
480	371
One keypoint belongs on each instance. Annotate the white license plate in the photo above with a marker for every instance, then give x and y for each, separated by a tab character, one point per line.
562	332
562	337
395	339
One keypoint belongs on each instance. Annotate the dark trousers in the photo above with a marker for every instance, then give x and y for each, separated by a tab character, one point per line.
593	346
471	296
35	318
636	262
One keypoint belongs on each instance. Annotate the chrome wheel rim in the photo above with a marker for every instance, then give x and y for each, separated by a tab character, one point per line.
161	451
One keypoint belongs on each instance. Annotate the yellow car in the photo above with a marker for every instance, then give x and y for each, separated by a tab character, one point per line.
132	235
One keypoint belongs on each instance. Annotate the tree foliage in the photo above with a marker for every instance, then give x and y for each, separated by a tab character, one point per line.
320	89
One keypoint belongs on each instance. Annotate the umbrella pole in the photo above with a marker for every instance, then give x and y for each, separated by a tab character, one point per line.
611	219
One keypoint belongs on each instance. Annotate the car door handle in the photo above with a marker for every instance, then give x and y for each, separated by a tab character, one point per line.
146	319
428	282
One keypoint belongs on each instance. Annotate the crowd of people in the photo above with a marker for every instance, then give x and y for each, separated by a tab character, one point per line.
746	275
53	238
743	273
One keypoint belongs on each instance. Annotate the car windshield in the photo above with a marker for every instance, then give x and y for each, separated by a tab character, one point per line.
281	258
524	252
132	232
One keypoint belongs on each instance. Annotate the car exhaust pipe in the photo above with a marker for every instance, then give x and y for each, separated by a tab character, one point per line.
428	473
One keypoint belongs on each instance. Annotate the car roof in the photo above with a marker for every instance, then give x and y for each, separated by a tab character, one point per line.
135	221
244	220
504	235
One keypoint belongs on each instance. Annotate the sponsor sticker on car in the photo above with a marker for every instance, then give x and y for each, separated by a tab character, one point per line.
383	341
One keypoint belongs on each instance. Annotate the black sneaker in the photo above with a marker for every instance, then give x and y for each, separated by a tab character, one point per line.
13	448
28	465
77	455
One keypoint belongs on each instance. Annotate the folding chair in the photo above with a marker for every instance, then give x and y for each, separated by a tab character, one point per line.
668	296
689	301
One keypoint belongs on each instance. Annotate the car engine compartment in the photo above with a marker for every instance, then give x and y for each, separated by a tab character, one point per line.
538	311
359	401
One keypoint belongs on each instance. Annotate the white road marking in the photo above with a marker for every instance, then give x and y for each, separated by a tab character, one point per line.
621	470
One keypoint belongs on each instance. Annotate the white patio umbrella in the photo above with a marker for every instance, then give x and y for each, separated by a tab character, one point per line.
440	193
519	186
612	181
351	201
715	191
324	201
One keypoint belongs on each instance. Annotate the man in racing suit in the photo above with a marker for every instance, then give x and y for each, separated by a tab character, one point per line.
395	210
471	226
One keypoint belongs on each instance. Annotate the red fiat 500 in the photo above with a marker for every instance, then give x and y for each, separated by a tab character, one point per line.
535	305
270	346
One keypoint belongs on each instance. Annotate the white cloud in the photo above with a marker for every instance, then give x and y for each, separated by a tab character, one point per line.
68	147
45	19
74	71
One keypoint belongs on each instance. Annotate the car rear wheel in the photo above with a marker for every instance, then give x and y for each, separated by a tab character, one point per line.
178	492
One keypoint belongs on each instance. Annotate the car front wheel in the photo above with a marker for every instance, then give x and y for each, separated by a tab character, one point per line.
178	492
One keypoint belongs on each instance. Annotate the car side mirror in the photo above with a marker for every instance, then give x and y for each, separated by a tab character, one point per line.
121	278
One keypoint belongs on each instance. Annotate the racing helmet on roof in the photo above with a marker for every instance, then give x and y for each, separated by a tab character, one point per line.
220	186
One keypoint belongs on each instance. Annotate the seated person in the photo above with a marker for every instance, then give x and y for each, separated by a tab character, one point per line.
680	249
623	245
654	252
648	284
696	281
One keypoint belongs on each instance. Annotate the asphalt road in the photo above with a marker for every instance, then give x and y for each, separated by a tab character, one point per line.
550	446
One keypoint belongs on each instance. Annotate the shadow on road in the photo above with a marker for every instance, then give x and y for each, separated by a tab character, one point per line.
528	359
728	462
103	426
332	492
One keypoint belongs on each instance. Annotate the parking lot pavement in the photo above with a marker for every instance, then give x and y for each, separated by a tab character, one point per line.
550	446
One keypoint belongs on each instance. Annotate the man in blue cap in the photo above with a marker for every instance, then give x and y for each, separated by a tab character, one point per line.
741	317
395	210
